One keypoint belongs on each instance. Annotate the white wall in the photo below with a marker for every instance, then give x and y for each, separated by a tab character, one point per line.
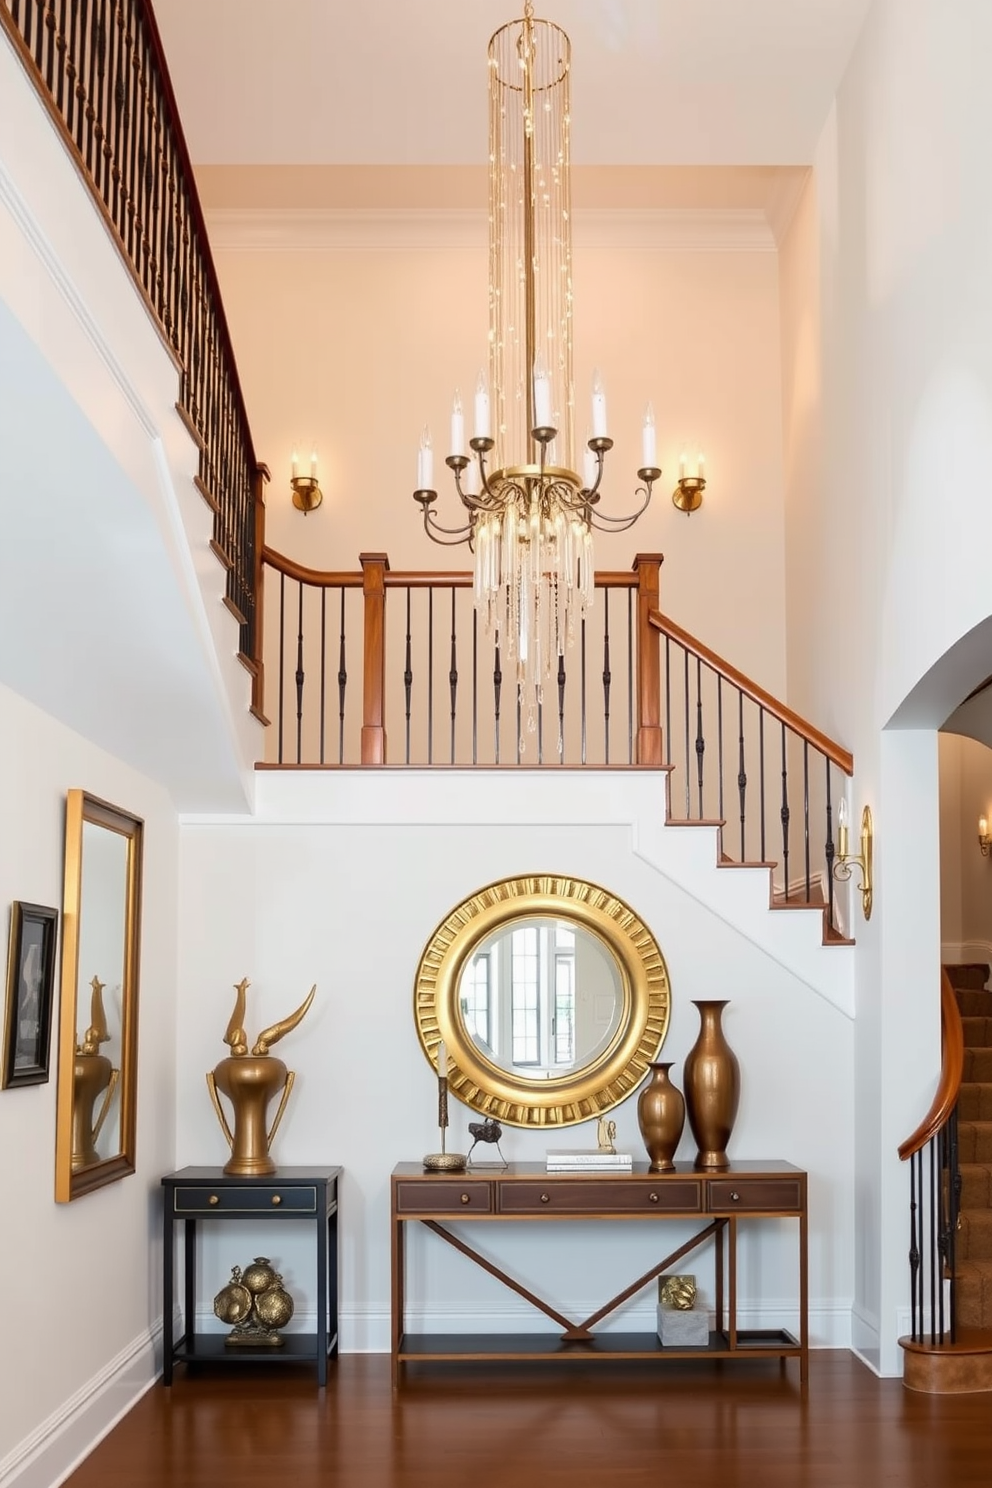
84	1277
890	542
343	884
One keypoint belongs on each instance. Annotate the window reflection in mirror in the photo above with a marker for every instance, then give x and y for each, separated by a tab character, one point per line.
99	990
543	996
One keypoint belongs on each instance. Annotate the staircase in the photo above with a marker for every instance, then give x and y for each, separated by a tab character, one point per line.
974	1238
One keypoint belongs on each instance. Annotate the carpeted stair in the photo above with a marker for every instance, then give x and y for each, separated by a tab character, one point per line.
973	1242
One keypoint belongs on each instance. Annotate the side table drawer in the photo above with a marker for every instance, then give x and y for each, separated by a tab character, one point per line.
761	1195
443	1197
609	1196
257	1198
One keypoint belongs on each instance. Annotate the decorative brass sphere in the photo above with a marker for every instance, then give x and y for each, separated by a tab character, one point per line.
274	1306
259	1276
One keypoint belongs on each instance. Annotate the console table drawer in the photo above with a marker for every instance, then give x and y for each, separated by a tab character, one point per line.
444	1198
609	1196
257	1199
754	1194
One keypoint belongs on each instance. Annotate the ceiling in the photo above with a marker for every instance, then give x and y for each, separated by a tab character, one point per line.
403	82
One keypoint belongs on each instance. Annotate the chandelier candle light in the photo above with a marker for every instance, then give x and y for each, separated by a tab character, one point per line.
529	513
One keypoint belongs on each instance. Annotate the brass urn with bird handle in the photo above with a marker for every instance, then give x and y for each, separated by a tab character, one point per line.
93	1074
250	1081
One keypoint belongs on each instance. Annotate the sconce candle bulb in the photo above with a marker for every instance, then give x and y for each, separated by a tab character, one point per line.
984	840
845	863
307	494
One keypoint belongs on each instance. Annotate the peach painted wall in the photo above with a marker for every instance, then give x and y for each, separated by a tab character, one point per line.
357	347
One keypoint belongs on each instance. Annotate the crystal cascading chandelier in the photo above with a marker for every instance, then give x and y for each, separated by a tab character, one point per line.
529	514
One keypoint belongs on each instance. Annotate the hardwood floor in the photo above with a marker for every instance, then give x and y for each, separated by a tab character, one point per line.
740	1425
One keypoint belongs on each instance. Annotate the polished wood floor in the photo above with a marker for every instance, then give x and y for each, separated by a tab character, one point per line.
739	1425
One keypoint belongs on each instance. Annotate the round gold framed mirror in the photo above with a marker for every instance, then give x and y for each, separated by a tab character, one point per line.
552	998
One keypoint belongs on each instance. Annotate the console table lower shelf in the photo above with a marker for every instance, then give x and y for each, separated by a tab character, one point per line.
525	1191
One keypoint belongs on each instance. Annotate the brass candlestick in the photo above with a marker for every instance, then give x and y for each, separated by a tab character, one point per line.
444	1162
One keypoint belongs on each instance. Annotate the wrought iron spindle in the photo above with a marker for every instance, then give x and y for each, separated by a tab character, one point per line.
323	667
607	674
475	686
430	675
668	701
700	739
828	852
582	634
687	715
630	676
282	658
453	674
497	690
719	744
806	813
916	1321
561	708
342	683
785	812
299	679
761	777
742	776
408	674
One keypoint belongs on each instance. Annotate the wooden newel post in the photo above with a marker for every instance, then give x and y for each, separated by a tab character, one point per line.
647	566
375	566
262	477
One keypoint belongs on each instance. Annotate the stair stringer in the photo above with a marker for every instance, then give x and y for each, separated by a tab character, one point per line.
689	857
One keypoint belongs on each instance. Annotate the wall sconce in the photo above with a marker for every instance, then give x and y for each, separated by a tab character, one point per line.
688	494
307	494
984	840
844	862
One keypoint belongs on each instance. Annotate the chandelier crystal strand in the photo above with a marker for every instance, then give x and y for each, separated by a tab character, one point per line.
529	515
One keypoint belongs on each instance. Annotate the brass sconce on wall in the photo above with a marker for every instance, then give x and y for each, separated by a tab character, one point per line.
984	840
845	862
307	494
688	494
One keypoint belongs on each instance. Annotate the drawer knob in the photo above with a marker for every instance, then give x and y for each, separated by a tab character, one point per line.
466	1199
277	1198
545	1198
734	1195
652	1198
214	1199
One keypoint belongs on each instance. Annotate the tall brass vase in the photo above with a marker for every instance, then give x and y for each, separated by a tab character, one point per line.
250	1083
661	1117
712	1078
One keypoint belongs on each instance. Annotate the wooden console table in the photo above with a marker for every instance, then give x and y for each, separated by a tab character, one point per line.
719	1202
198	1194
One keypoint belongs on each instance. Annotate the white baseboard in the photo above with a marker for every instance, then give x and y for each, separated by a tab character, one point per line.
57	1447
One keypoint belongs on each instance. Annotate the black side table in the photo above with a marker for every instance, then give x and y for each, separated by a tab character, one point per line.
194	1194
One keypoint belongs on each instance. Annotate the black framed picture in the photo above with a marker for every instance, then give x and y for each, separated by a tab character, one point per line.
30	989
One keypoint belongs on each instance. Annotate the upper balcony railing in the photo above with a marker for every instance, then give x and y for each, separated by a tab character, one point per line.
100	68
374	667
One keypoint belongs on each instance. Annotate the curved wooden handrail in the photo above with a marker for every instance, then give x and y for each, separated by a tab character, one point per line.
842	758
316	576
951	1070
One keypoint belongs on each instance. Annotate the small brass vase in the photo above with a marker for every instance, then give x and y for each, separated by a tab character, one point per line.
661	1117
712	1078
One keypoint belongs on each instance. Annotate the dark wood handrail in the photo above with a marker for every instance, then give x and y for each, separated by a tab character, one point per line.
318	577
842	758
951	1070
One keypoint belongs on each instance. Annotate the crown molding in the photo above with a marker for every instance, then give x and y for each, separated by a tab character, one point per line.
391	230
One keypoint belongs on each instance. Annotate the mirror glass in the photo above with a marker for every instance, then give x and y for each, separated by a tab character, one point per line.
551	998
541	996
99	991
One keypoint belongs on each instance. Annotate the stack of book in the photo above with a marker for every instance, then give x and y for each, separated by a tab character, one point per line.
588	1160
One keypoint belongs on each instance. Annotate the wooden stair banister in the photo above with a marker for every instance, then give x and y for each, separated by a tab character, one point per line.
951	1071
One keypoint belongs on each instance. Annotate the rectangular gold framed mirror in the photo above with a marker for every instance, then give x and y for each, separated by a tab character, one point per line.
98	1013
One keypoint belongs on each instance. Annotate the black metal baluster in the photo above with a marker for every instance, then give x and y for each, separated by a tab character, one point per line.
688	778
299	680
323	667
561	707
956	1180
806	811
761	777
719	746
342	682
475	686
700	740
785	813
828	852
540	730
59	48
282	656
497	687
914	1251
943	1238
453	674
430	675
408	674
607	674
933	1240
630	676
519	722
668	700
742	777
